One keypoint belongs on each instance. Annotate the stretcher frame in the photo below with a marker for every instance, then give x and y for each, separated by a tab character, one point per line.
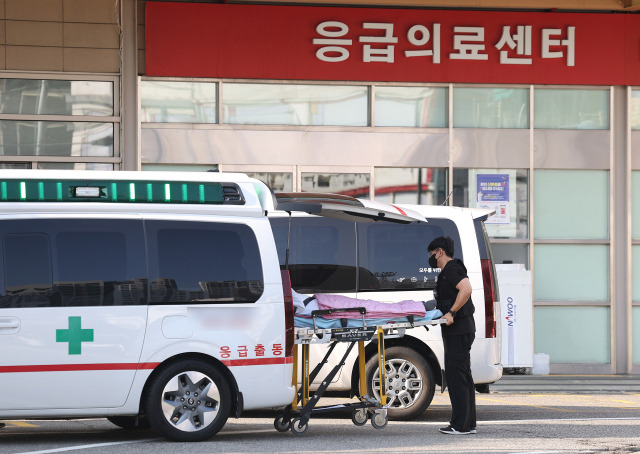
368	406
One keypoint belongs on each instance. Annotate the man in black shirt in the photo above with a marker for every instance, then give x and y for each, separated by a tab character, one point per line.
453	294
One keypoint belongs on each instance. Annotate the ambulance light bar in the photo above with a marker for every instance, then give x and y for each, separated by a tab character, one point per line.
42	190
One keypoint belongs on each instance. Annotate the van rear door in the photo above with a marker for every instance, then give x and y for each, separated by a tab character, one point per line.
345	207
491	296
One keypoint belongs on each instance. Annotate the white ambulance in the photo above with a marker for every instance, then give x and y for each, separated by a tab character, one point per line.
148	298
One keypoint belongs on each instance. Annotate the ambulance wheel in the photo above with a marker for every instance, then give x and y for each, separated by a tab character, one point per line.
409	382
188	401
359	416
298	427
281	424
129	422
379	421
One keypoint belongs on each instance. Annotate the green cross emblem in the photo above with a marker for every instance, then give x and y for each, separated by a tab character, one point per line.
75	335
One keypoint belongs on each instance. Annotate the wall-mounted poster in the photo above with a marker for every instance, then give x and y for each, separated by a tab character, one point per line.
492	192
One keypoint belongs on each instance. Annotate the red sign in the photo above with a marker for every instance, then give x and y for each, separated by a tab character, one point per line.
399	45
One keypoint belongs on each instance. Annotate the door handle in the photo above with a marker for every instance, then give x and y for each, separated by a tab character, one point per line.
10	324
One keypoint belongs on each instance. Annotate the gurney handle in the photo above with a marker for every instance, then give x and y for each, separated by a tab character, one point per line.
321	312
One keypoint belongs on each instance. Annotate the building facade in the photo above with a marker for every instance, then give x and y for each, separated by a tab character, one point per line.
534	113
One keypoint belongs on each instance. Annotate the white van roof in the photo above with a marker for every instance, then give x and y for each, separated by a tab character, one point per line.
205	193
126	191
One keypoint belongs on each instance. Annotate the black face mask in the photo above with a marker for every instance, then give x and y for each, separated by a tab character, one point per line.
433	262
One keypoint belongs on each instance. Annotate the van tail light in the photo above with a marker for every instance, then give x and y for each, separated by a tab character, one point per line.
288	313
489	298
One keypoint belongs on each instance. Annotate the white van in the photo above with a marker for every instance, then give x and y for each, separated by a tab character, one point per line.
388	262
126	294
150	298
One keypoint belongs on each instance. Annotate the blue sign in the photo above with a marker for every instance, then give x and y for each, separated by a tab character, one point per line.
493	187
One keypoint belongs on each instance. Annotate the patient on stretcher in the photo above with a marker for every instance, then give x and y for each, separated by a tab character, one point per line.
377	313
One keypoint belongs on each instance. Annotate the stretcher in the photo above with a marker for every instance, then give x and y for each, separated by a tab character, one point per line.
326	331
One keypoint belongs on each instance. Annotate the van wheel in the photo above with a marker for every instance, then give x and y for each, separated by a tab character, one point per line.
410	385
188	401
129	422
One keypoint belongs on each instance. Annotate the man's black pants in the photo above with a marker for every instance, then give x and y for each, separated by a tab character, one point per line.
457	363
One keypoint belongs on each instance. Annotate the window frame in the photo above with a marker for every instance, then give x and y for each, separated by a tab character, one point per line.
115	120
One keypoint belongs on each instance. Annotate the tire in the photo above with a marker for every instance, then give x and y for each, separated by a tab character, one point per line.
129	422
409	398
177	412
378	421
298	428
281	424
359	416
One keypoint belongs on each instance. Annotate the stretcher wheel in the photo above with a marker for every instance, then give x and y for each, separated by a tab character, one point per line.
281	424
379	421
359	416
298	427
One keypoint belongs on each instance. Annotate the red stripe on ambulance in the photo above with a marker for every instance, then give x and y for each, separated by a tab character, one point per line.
257	361
130	366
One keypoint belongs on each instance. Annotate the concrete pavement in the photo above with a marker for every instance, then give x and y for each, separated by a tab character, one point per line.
507	423
580	384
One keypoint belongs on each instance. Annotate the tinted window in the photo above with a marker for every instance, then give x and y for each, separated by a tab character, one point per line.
322	253
395	257
27	269
109	249
195	262
73	263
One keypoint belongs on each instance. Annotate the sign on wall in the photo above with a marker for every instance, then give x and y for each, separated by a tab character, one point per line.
492	192
373	44
499	191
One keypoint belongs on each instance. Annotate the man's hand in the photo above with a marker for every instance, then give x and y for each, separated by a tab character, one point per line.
448	317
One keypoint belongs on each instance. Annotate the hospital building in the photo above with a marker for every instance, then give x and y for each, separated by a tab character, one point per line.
529	108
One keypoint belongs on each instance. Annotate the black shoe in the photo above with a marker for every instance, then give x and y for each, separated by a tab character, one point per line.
452	431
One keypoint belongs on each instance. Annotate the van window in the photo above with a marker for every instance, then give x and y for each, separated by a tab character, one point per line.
322	253
27	270
395	257
195	262
73	263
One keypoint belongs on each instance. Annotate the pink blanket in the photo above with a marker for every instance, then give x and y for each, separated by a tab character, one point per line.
375	309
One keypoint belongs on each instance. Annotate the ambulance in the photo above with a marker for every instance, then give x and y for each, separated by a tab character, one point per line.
151	299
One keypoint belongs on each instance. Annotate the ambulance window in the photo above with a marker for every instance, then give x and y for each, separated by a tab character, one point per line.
101	263
27	270
322	256
77	262
203	263
108	249
394	257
